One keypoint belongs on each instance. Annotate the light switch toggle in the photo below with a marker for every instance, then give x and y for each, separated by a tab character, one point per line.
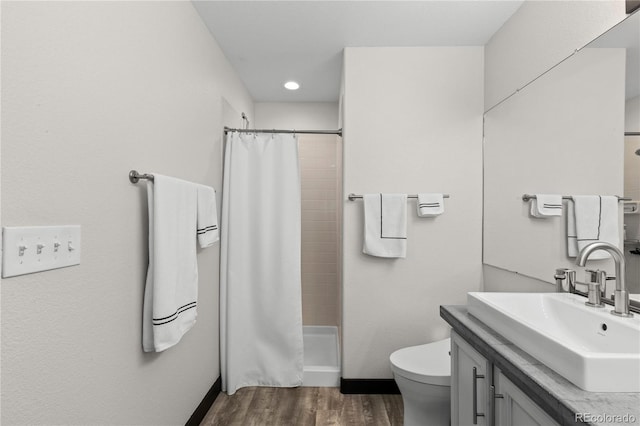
29	249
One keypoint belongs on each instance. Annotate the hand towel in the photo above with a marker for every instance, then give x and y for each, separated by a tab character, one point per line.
430	205
207	230
592	218
385	225
546	205
171	290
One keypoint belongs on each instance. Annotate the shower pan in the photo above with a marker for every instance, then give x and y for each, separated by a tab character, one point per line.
321	356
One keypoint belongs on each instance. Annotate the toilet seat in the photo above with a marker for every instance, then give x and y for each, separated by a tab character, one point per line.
429	363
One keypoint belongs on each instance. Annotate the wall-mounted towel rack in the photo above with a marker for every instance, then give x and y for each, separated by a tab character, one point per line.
353	197
527	197
134	176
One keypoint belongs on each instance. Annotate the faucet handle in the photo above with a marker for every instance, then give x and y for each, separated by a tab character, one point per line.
591	275
563	274
596	281
597	276
594	295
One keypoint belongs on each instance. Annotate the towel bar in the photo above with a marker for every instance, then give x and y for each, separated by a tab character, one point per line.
527	197
134	176
353	197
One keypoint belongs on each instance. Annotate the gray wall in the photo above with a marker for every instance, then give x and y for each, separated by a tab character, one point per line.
91	90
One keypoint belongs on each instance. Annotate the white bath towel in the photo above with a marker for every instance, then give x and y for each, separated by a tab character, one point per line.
546	205
385	225
430	205
171	290
592	218
207	231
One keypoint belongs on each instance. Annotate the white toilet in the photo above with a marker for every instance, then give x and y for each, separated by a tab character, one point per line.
423	374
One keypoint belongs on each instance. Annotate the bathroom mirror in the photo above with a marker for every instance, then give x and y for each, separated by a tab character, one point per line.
564	133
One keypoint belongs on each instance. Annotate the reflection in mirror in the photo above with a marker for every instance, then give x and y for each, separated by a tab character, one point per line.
627	36
564	133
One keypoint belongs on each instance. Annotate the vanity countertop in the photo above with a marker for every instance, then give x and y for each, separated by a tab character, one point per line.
560	398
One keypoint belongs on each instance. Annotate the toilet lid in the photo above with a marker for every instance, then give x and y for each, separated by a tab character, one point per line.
429	363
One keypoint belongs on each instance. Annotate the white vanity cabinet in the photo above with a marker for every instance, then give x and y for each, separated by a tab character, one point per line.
513	407
470	384
482	395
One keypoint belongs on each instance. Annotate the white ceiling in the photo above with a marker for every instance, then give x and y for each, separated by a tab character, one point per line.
270	42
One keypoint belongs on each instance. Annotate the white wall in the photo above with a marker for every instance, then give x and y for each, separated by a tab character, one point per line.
498	279
0	205
539	35
412	123
632	115
296	115
91	90
552	138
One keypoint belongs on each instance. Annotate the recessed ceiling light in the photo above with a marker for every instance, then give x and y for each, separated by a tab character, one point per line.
292	85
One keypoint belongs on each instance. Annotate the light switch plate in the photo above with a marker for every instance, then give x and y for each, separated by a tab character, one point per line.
28	249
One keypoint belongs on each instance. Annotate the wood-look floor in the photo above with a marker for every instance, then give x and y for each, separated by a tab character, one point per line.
263	406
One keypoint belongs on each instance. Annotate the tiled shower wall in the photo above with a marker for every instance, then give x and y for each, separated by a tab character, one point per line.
320	175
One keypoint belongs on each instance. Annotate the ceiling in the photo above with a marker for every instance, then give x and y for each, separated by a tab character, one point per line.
270	42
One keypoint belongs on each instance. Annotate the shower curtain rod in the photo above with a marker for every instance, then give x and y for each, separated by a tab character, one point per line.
315	132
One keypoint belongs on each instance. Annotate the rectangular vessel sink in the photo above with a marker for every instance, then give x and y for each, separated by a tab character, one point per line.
591	348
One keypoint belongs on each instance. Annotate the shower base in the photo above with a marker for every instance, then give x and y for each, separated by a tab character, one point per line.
321	356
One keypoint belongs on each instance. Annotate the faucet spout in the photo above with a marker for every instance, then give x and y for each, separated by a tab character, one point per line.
621	296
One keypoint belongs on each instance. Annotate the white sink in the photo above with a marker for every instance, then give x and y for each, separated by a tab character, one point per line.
591	348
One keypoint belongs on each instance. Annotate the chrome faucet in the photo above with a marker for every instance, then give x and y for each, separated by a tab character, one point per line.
596	281
621	296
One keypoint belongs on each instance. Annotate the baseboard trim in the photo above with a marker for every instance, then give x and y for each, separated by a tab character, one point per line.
206	403
368	386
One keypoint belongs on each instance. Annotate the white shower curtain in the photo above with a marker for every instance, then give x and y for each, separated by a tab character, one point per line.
260	285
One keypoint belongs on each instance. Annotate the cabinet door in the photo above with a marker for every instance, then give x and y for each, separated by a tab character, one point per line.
470	381
514	407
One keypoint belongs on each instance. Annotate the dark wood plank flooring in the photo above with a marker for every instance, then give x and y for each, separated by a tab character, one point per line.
263	406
